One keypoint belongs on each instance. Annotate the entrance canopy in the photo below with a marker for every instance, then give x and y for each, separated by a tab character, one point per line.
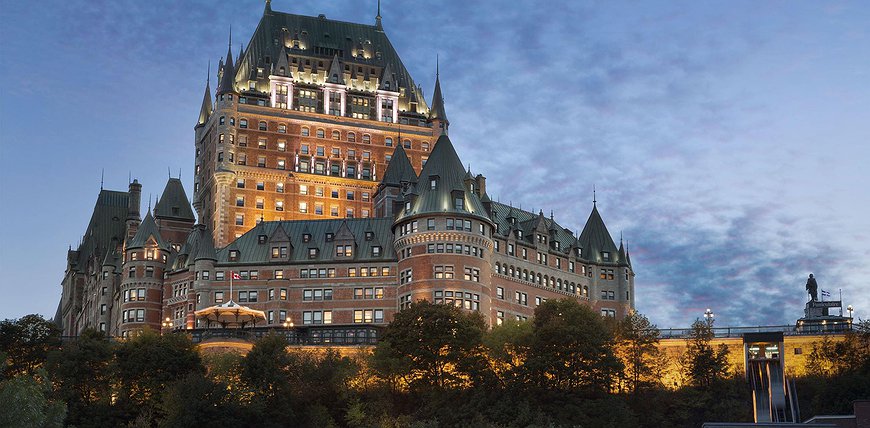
230	315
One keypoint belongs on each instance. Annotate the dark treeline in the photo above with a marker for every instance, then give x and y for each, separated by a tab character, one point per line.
435	366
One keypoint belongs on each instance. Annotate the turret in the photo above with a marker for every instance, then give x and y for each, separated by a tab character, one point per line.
398	177
437	114
446	229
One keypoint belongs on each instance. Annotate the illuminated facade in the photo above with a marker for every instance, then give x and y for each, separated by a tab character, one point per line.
329	186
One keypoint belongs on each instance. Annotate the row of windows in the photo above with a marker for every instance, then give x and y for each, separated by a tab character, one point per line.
500	317
133	315
454	248
317	294
149	272
459	299
538	278
134	295
446	272
351	272
150	254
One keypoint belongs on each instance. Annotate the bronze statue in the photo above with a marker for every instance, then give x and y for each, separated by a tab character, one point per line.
812	288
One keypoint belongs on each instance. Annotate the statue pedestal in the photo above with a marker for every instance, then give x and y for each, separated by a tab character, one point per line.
818	319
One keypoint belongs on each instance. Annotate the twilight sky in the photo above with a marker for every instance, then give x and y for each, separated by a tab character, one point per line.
729	140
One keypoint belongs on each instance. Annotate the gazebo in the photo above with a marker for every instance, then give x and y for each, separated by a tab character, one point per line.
230	315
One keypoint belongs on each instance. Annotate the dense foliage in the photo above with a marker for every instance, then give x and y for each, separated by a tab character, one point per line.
435	366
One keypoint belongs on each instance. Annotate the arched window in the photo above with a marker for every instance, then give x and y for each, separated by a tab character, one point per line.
351	137
321	133
222	120
262	126
305	131
498	268
585	291
388	142
243	123
539	280
367	139
407	144
336	135
512	272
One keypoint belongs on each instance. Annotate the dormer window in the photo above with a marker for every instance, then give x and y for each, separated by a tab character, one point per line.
234	255
407	206
306	237
344	250
369	236
579	252
149	255
605	255
312	253
329	236
556	244
376	251
261	239
433	182
459	200
519	234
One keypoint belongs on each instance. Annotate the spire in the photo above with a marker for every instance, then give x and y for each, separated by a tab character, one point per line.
387	82
148	229
378	17
595	238
437	113
399	169
239	58
228	76
173	203
268	9
594	199
206	109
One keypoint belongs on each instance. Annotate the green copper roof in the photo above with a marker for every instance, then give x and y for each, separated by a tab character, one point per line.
399	169
253	249
204	249
528	222
227	83
147	229
595	239
437	112
173	202
206	109
324	39
445	169
107	224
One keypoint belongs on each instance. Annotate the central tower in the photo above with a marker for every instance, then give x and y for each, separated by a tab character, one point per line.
304	123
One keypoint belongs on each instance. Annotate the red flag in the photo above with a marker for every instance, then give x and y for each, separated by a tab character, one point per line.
235	275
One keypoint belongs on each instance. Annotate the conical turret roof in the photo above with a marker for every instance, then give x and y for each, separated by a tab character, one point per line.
205	244
147	229
437	111
173	202
206	109
228	77
399	169
445	168
595	238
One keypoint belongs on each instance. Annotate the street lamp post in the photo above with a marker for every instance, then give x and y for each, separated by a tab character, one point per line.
709	316
167	324
849	308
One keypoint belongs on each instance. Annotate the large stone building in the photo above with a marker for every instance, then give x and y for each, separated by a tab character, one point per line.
330	190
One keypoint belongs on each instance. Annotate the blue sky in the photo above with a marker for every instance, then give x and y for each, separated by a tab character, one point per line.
729	141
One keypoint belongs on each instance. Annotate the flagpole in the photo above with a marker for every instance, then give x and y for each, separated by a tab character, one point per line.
232	274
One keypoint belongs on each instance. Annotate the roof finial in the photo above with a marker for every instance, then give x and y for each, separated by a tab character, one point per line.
378	17
230	44
102	176
620	237
437	66
149	202
179	173
129	177
208	74
594	198
169	171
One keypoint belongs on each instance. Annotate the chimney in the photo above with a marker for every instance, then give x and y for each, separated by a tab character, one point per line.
133	200
481	185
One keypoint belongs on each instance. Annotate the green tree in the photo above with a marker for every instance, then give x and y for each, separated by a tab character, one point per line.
267	371
26	342
196	400
147	363
25	402
439	345
507	347
571	349
705	365
81	374
637	342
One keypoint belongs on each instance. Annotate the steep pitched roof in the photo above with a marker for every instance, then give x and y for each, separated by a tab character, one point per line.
445	166
252	251
437	111
173	202
228	78
204	244
595	238
336	73
399	168
107	223
527	221
206	109
321	37
282	64
147	229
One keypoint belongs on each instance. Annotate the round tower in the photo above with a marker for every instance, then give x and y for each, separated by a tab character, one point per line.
142	279
443	238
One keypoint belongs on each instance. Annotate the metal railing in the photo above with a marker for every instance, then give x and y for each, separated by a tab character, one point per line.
786	330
